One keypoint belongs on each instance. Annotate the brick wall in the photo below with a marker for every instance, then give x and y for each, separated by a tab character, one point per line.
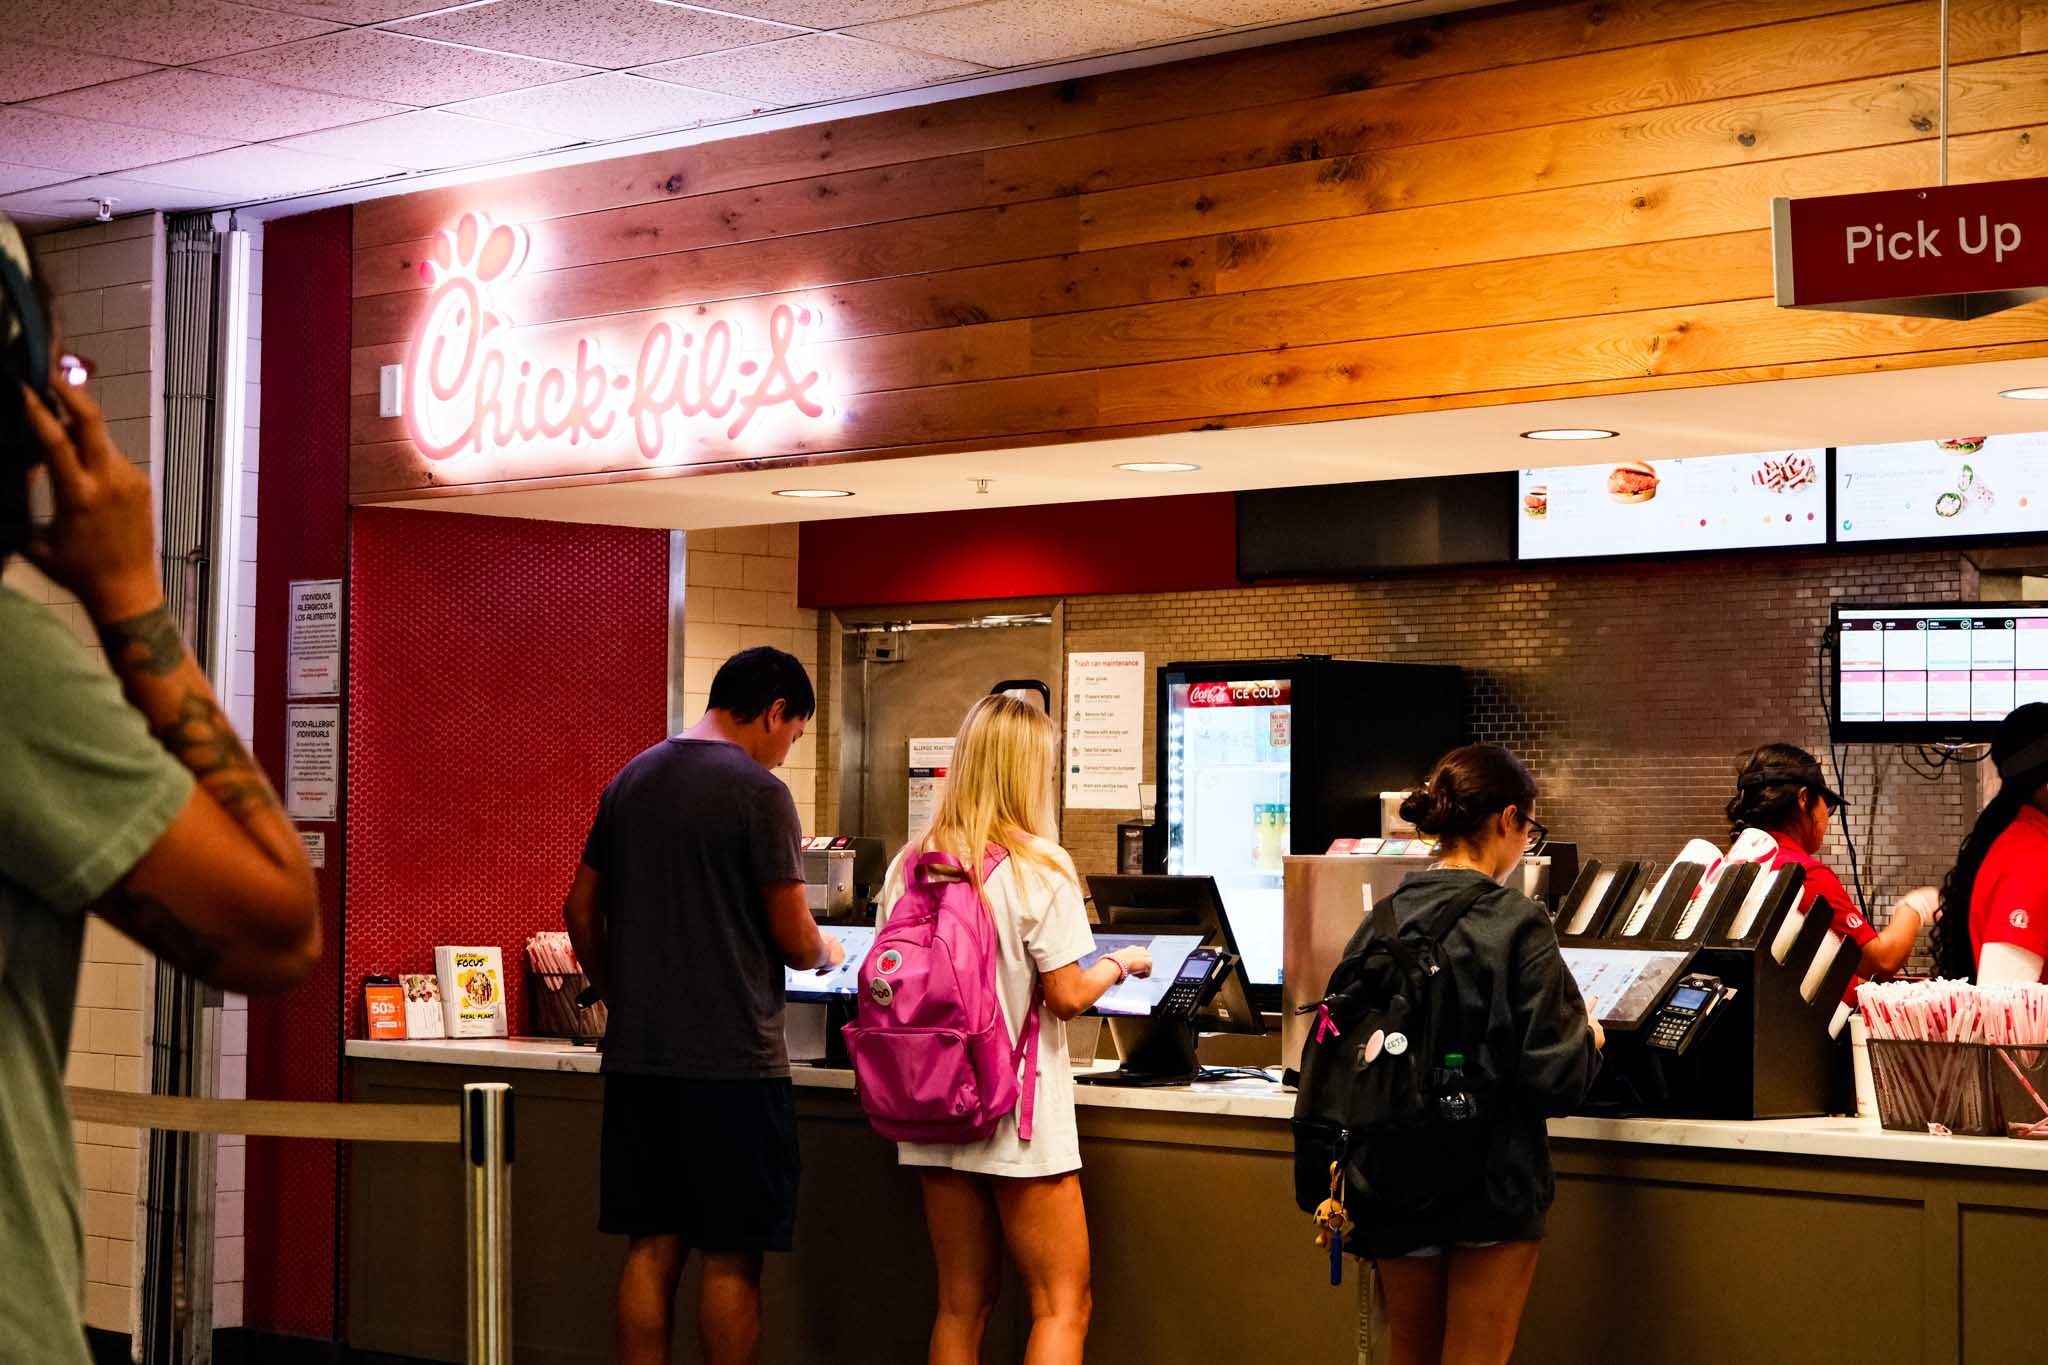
107	279
740	591
1628	689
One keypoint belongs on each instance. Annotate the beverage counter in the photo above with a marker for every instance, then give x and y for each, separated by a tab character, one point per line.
1808	1240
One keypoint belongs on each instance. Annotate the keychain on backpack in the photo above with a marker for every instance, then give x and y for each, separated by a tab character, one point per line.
1332	1223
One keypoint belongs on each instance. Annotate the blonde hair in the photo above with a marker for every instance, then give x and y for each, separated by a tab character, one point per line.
999	789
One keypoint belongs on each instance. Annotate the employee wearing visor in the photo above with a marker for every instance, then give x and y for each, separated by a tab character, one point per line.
1994	919
1780	816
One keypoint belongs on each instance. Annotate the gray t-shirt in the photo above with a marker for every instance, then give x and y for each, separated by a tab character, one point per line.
84	794
686	836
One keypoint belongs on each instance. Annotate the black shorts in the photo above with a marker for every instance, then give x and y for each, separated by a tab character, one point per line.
713	1162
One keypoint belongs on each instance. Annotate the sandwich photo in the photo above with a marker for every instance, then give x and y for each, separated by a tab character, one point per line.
1632	482
1536	502
1961	445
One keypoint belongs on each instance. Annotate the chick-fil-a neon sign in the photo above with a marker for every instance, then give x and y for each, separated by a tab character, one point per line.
477	383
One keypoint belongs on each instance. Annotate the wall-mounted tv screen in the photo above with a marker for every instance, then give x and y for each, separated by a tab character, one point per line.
1716	502
1923	673
1962	486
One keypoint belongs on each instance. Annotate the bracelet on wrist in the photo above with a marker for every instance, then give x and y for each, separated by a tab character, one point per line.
1122	972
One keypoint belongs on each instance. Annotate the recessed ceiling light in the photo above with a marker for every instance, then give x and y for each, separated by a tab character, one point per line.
1159	467
2033	395
1569	434
812	493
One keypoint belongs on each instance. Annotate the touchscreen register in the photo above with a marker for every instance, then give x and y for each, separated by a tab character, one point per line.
1138	995
841	981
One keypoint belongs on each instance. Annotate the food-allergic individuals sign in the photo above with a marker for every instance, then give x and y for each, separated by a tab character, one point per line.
313	646
1105	730
929	760
312	761
1954	251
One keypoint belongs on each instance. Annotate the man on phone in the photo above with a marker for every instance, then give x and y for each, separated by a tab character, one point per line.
688	904
124	793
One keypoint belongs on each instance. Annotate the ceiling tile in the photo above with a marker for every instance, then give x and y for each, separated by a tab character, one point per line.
353	11
602	107
427	139
72	144
831	13
261	172
16	178
29	70
1025	32
173	32
76	199
608	33
375	64
213	105
817	66
1245	13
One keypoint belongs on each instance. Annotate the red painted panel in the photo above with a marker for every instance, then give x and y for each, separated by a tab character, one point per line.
1134	545
302	506
500	671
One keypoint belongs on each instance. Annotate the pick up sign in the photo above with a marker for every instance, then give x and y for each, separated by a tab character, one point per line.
1956	251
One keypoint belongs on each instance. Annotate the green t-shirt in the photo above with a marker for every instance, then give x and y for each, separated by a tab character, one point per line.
84	793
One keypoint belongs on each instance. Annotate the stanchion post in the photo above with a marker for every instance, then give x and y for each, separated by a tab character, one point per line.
487	1160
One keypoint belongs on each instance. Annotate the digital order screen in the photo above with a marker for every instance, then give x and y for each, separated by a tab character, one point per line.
1972	663
1960	486
1717	502
841	980
1138	995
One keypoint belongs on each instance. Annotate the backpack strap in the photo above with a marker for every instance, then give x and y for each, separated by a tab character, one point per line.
1385	927
1026	1051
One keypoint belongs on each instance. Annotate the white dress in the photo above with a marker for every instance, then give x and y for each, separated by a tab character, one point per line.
1041	925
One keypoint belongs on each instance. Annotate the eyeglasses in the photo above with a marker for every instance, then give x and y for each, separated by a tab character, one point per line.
1538	833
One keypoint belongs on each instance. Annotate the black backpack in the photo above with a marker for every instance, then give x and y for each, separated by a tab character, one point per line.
1395	1088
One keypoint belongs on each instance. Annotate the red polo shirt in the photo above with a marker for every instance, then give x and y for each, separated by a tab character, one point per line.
2009	903
1821	881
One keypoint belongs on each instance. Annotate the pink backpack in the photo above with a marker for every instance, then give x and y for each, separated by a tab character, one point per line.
932	1058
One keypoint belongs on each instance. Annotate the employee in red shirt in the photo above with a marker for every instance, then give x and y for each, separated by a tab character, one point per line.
1779	790
1994	920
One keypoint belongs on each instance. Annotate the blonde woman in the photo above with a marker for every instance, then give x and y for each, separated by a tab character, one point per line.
981	1196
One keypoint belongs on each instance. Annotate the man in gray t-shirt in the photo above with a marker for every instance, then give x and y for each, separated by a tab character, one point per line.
687	906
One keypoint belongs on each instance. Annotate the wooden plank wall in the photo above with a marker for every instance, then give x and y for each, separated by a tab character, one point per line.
1534	201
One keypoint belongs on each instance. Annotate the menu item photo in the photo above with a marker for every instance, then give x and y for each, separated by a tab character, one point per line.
1632	482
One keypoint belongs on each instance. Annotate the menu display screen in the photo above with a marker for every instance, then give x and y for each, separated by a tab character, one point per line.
1719	502
1961	486
1940	672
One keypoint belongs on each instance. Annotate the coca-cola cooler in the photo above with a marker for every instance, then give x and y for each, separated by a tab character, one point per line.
1259	758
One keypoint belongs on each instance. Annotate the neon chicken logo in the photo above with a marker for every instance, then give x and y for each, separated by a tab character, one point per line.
478	383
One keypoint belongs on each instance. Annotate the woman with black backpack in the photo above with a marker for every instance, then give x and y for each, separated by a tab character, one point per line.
1457	1271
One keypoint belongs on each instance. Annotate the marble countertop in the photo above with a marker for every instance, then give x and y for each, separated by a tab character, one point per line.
1845	1138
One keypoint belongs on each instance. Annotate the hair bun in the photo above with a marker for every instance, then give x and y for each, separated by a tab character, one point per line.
1427	807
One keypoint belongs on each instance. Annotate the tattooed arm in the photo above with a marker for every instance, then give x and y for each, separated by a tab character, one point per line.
225	893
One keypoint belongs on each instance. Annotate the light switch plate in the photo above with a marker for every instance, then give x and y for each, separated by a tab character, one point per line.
388	380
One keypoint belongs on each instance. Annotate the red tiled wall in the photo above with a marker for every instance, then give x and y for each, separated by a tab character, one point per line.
500	671
302	506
